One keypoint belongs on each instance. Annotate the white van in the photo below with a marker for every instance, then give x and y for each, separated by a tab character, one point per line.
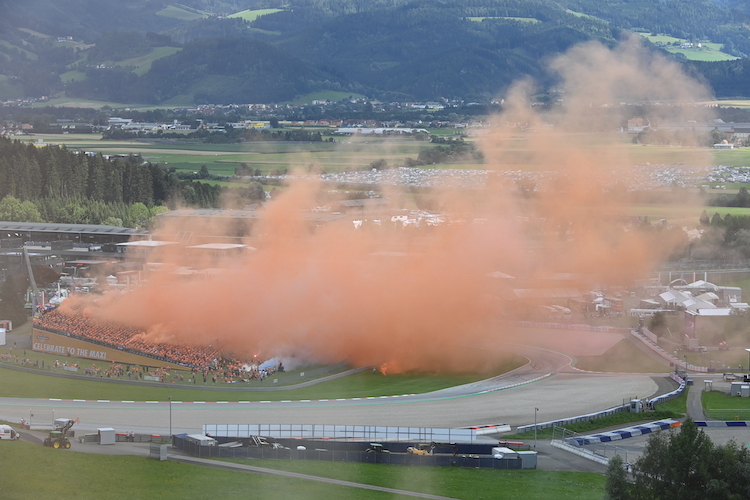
7	432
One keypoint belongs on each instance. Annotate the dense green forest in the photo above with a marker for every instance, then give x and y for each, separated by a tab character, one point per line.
54	184
213	70
193	52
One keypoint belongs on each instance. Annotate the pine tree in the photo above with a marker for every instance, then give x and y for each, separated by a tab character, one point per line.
617	486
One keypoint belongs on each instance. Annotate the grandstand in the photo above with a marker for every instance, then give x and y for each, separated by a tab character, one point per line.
78	335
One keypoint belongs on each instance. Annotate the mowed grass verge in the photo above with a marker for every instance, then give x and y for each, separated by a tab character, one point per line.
33	472
676	408
722	406
474	484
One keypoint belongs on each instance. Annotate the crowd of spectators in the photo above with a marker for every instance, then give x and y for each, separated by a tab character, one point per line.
205	362
12	358
130	339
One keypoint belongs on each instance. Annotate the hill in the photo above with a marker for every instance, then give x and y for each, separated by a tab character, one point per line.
272	50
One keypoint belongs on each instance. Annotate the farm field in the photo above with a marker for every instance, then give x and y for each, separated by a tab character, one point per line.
252	15
222	159
683	215
707	52
739	157
76	102
330	95
730	103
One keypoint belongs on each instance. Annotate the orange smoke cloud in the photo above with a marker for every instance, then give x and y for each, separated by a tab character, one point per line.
421	298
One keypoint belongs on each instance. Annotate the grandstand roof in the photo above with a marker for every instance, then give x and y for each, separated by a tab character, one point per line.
219	246
44	227
243	214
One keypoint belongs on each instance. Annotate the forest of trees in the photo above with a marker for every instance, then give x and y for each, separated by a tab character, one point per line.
54	184
684	465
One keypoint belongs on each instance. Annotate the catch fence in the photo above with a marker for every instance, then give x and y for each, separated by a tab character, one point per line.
335	452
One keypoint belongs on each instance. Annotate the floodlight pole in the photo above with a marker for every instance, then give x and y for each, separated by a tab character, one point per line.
170	419
535	410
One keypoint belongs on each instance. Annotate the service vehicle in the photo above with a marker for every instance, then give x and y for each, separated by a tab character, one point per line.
8	432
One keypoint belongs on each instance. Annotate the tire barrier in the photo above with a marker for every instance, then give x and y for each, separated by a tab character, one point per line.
604	413
720	423
638	430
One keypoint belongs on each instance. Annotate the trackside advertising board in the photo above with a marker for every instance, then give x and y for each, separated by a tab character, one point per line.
56	344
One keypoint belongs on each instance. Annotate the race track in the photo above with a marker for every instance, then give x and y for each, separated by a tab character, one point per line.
547	382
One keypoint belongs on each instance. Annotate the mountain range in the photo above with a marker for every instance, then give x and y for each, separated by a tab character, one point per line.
260	51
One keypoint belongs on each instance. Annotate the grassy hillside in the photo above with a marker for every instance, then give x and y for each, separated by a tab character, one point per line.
706	52
181	13
142	64
385	49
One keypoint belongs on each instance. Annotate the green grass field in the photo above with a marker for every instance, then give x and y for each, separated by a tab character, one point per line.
330	95
222	159
76	102
181	13
455	482
143	63
719	405
581	14
733	157
252	15
32	472
521	19
73	76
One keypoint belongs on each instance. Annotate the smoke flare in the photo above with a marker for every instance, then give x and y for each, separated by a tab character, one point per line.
425	298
